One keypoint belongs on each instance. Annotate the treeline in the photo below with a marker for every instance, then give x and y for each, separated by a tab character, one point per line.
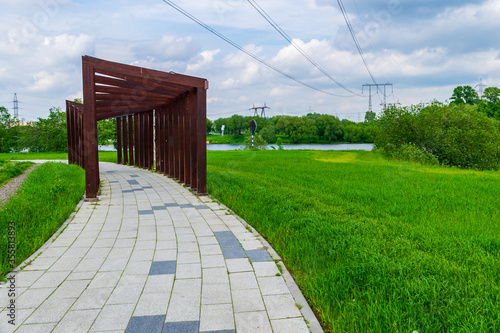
46	134
458	135
311	128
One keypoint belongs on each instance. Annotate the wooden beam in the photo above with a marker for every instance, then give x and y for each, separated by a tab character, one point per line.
90	158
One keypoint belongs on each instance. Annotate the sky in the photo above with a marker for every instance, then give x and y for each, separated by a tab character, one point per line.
424	48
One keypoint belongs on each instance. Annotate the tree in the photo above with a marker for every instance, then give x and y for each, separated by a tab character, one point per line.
491	94
370	116
47	134
456	135
6	142
210	126
464	95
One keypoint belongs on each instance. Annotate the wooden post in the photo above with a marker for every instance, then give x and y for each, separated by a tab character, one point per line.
90	158
119	140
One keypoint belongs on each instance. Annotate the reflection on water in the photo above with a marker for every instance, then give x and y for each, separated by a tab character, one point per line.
312	146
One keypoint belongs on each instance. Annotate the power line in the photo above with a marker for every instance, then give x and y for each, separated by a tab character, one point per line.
351	30
227	40
297	47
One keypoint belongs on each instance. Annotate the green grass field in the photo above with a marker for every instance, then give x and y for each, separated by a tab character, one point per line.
45	200
375	245
104	156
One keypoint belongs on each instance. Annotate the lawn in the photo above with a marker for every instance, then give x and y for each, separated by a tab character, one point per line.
375	245
45	200
104	156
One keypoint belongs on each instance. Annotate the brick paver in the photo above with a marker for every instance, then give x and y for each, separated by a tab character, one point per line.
150	256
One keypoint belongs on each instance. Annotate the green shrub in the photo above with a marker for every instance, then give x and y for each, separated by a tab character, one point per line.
411	153
457	135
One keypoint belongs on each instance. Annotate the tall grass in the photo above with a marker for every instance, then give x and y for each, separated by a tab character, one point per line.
375	245
10	170
44	201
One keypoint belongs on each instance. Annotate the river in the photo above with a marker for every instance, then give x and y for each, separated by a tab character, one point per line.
309	146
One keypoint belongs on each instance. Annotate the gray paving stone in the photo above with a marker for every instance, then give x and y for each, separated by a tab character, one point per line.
76	321
181	327
113	317
145	212
188	247
92	299
215	275
215	294
272	285
243	280
33	298
281	306
105	280
233	252
188	257
258	255
185	301
36	328
27	278
247	300
152	304
51	311
188	271
252	322
159	283
226	239
239	265
163	255
216	317
71	289
265	268
207	240
162	267
289	325
212	261
50	279
150	324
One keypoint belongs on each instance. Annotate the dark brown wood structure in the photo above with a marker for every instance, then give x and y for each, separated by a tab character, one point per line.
160	121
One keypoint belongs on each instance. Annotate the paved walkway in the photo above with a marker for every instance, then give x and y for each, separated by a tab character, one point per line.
152	257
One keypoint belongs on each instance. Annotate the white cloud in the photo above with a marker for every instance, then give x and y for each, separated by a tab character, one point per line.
45	81
206	58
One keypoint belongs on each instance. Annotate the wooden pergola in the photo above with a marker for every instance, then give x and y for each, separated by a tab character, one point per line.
160	121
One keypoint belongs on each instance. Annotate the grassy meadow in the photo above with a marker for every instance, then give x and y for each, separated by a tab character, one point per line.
45	200
375	245
104	156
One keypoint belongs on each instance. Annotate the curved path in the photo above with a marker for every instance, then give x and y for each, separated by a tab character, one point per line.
150	256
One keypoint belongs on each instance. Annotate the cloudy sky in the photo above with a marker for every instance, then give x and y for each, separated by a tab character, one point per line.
424	48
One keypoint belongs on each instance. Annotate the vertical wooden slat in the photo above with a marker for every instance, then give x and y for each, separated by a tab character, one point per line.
180	141
194	142
136	139
201	129
187	140
91	162
131	139
151	141
119	159
125	140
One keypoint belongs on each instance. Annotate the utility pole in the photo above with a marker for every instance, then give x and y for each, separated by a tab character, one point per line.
16	106
262	108
370	85
481	87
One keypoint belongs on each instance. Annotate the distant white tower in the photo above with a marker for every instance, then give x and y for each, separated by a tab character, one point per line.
481	87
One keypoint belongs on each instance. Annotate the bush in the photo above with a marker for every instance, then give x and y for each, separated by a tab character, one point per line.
456	135
258	141
411	153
